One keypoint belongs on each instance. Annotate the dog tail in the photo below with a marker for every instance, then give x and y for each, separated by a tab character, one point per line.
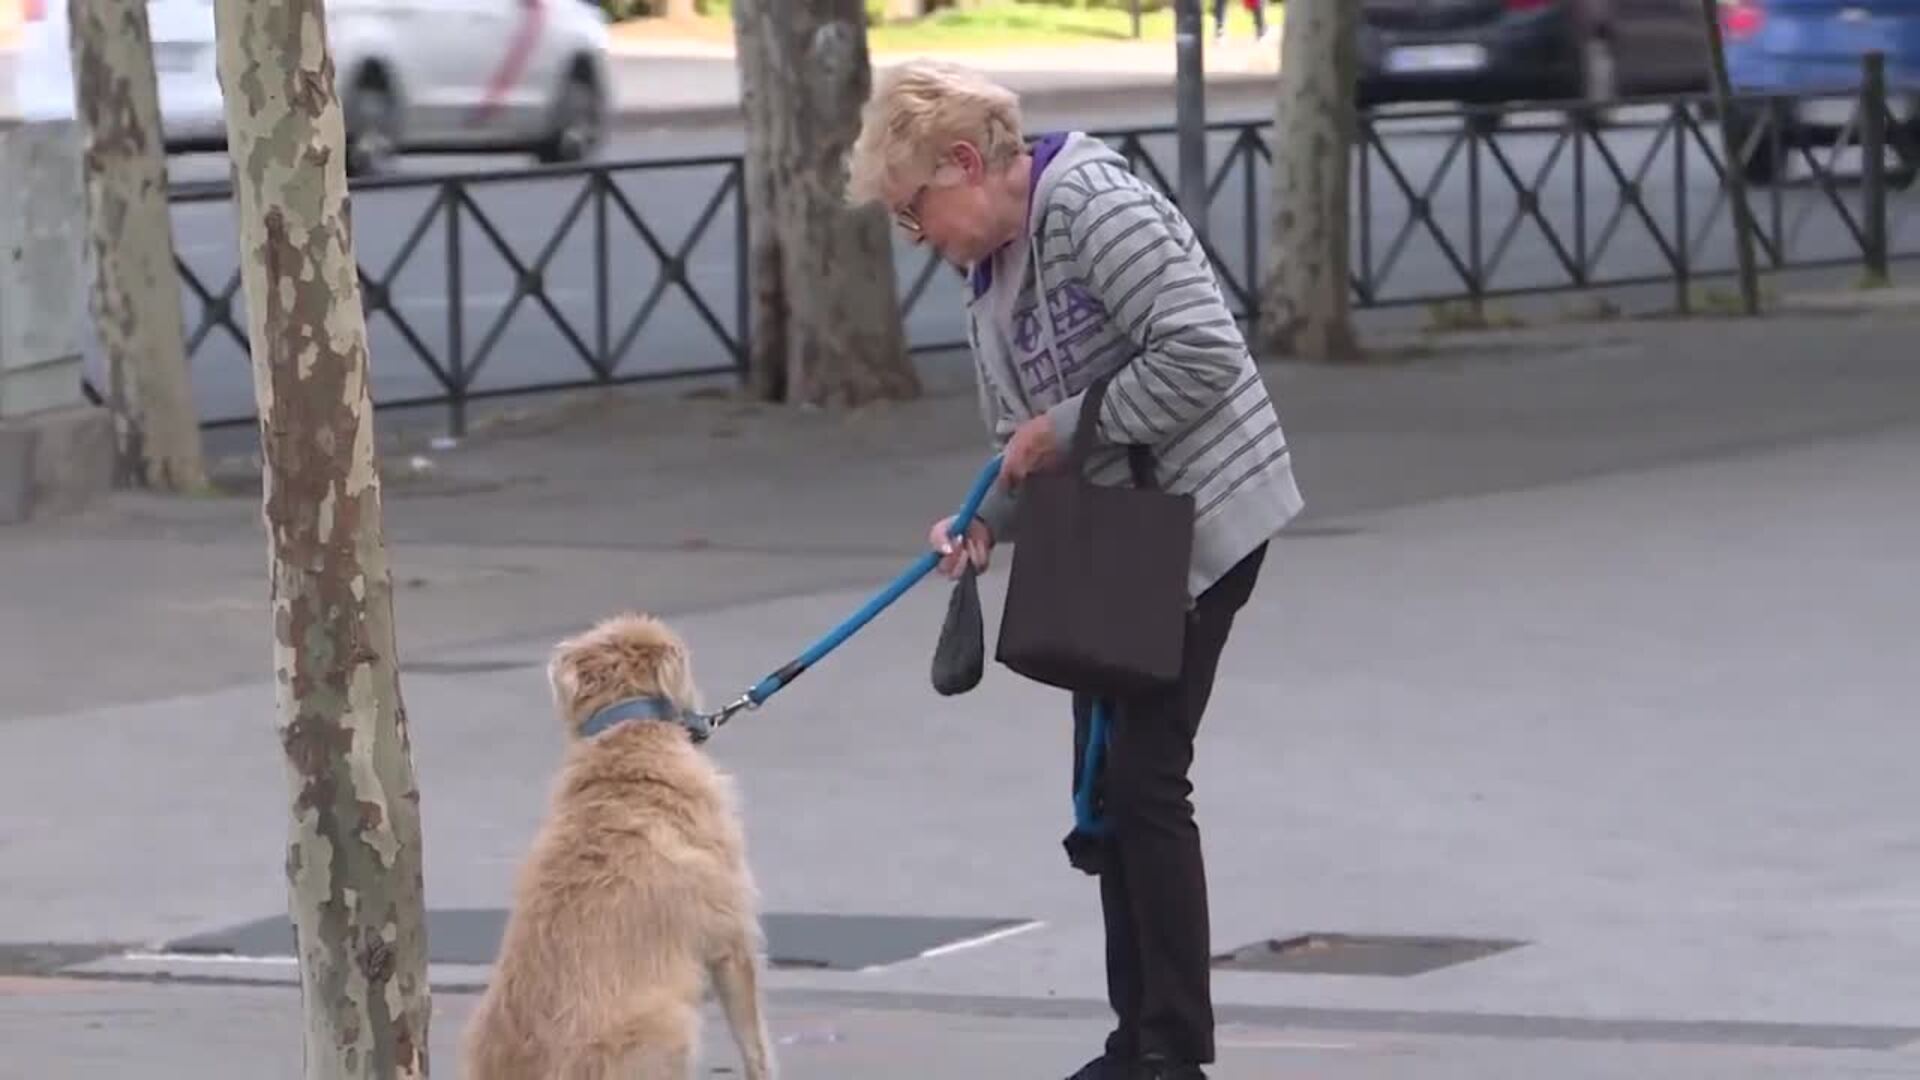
654	1038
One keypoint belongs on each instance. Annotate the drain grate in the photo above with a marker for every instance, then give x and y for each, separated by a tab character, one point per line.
1359	954
806	940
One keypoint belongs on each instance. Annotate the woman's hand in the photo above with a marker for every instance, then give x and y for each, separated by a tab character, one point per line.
974	547
1031	449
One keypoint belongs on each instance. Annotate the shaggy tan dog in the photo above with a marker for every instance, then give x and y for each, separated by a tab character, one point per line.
636	891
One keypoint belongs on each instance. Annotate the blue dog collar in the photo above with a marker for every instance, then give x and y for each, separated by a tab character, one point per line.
653	707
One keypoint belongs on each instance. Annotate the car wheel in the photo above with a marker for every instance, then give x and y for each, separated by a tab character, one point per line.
579	122
373	128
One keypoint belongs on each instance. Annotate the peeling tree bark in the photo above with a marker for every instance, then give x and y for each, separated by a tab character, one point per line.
826	327
354	854
1305	308
135	297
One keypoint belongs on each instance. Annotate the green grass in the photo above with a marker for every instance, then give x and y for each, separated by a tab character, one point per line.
1870	280
1727	301
1462	316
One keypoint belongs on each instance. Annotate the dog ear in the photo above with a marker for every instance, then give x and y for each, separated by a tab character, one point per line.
674	669
563	676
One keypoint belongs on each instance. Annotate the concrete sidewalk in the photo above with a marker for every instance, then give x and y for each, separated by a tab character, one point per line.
520	529
1595	641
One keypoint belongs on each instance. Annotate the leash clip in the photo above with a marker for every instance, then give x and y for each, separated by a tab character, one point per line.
743	703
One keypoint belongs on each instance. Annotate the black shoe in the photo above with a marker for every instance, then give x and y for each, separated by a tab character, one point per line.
1105	1067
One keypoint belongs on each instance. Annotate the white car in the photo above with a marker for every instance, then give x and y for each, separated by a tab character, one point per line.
412	75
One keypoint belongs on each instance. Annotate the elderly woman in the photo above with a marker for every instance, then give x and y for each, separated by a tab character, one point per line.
1079	271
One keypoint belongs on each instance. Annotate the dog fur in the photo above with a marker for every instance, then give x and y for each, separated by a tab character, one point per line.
636	892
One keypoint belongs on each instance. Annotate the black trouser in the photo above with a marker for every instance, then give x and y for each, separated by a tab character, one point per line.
1259	15
1153	881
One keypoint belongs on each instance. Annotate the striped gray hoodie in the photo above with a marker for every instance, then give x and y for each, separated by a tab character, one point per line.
1127	286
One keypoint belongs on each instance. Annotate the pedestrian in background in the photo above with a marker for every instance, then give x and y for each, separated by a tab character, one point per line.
1257	7
1080	272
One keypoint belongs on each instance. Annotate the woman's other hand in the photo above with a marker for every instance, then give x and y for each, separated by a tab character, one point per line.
974	547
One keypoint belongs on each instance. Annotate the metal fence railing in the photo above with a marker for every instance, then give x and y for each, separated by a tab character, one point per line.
484	284
481	285
1488	202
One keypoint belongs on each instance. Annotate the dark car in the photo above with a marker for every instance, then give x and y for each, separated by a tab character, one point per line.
1482	51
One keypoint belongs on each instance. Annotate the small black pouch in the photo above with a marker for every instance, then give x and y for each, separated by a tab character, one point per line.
960	656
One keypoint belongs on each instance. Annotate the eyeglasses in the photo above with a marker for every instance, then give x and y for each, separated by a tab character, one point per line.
907	215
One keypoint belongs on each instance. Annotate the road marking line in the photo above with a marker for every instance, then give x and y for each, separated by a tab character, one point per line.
206	958
983	939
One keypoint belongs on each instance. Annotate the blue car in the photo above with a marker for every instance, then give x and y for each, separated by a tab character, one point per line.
1812	50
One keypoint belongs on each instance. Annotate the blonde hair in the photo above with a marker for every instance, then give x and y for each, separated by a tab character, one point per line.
919	109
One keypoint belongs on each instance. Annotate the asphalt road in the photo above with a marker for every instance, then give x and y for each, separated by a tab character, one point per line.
1400	255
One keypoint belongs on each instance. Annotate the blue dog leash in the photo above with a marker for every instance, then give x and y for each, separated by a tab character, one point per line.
1087	818
793	669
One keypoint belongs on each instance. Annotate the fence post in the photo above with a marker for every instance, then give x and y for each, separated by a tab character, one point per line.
743	283
456	193
1734	173
1476	285
1682	242
1363	202
602	183
1250	175
1873	161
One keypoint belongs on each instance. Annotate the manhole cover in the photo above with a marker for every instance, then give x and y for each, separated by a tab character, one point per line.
1356	954
815	941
